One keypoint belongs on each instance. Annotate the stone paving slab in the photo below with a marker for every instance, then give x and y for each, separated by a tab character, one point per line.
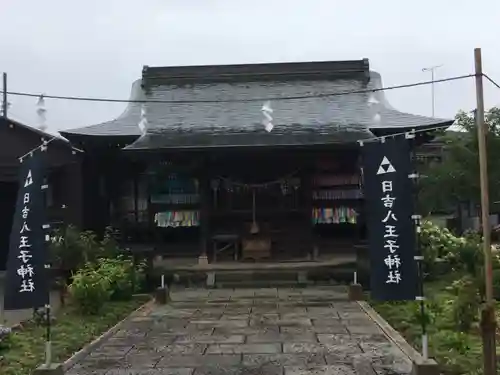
281	359
193	361
342	329
244	348
247	331
265	331
281	337
204	338
340	369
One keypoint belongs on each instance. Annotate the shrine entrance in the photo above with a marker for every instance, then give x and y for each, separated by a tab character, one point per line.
285	205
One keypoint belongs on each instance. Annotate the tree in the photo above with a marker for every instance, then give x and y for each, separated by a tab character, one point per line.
456	178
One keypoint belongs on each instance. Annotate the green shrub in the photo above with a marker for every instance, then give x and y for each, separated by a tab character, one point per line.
443	251
123	276
464	307
436	245
5	338
453	341
496	284
89	289
106	279
109	245
470	257
430	312
71	249
66	249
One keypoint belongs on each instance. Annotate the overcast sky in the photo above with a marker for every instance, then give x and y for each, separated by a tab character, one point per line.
98	47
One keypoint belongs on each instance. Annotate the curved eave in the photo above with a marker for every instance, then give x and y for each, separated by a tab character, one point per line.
281	136
124	126
440	124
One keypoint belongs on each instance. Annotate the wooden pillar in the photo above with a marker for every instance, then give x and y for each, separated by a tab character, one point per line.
360	207
204	186
72	194
136	177
106	193
92	202
307	183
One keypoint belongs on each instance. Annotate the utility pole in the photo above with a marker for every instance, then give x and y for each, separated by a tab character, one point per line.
4	100
488	319
432	70
4	115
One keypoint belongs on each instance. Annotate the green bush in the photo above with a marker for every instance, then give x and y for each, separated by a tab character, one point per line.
464	307
443	251
496	284
109	246
123	276
430	313
66	249
470	257
457	341
103	280
89	290
436	245
71	249
5	338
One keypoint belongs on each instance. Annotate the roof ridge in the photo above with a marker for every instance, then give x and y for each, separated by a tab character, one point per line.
353	69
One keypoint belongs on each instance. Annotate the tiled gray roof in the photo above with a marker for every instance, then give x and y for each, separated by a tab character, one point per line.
312	120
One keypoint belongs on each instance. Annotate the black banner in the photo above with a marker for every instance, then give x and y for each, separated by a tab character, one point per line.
26	284
391	231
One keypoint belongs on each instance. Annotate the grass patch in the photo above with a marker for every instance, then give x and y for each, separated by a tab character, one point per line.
457	352
70	332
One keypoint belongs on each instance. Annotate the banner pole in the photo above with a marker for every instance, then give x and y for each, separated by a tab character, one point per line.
425	339
48	339
419	256
48	277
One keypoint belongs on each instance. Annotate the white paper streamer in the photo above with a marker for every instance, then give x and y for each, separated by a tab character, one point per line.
143	123
372	100
41	113
267	111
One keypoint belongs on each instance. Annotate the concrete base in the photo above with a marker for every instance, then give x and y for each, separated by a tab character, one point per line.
425	368
203	260
355	292
162	296
53	369
210	279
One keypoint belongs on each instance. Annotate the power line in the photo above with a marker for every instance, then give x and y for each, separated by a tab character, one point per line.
491	80
323	95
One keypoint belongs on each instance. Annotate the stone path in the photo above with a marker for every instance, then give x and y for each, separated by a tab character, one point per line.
249	332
